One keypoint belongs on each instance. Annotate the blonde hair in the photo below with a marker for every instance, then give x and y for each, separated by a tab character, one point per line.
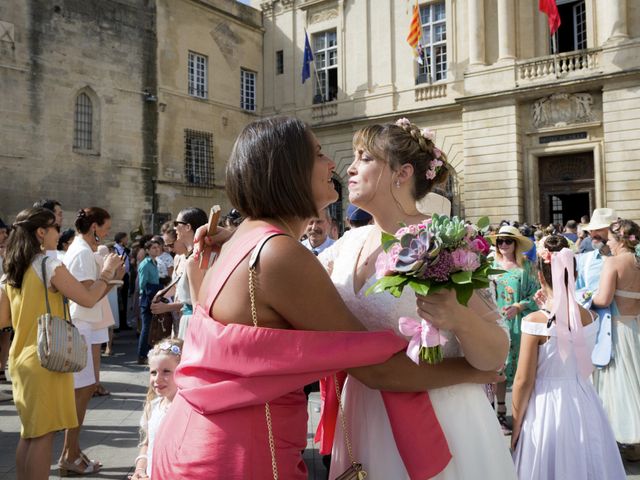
166	346
518	253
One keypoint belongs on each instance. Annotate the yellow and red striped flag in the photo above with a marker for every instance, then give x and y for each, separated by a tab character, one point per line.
415	29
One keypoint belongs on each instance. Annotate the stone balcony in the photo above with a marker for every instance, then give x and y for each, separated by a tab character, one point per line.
557	67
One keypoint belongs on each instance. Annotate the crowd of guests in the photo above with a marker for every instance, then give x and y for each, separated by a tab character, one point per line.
567	301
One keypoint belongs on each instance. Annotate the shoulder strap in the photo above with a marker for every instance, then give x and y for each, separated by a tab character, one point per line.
627	294
233	258
44	280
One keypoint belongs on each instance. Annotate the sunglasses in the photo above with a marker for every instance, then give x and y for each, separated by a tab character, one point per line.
506	241
179	222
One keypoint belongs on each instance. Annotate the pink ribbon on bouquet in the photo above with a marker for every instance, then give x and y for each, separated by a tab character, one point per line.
423	334
565	309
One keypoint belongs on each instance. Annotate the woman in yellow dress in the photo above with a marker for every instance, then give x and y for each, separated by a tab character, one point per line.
44	399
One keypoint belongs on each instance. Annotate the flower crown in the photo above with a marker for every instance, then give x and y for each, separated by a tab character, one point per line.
429	135
167	347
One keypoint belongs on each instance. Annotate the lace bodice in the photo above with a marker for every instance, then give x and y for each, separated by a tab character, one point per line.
379	311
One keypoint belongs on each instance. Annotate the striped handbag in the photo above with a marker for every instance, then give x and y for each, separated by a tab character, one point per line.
61	348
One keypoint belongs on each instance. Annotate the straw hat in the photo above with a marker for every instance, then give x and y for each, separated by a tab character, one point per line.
601	218
507	231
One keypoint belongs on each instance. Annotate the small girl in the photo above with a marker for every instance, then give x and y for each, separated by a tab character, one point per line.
164	358
560	429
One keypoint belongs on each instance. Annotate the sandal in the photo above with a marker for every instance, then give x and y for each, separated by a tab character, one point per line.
502	419
79	467
88	460
101	391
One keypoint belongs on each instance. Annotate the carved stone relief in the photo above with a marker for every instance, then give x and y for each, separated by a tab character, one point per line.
267	7
323	15
562	109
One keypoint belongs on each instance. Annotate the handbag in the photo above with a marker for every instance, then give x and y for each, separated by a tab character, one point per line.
161	323
355	471
61	348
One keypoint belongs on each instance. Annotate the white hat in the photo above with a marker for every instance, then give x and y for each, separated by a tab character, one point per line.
507	231
601	218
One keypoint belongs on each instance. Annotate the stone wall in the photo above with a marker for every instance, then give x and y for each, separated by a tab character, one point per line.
58	49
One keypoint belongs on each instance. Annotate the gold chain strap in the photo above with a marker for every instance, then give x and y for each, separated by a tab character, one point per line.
267	410
347	439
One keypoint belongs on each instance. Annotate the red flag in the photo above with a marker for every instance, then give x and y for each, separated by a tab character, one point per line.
415	27
550	8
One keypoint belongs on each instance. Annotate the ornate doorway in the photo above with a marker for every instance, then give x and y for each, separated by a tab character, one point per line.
567	188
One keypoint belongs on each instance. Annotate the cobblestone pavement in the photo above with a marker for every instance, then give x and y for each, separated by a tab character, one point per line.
110	432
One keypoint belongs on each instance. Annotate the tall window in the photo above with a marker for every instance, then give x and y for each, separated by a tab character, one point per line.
434	43
198	158
572	34
279	62
247	90
197	75
83	123
325	52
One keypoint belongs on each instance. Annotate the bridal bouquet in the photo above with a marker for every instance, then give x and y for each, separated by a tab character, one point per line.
440	252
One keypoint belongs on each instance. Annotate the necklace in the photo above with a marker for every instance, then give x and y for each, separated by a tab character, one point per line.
281	220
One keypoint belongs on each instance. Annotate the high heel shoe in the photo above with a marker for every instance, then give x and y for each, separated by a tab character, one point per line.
81	466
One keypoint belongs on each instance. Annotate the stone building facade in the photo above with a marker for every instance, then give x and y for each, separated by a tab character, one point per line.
74	123
532	136
132	105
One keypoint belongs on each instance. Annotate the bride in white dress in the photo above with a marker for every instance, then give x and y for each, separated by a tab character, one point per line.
393	167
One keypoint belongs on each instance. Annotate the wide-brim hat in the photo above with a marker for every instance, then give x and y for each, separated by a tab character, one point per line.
601	218
507	231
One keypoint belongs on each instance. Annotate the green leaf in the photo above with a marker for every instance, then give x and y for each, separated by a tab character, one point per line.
495	271
483	222
461	277
463	293
386	283
420	287
387	240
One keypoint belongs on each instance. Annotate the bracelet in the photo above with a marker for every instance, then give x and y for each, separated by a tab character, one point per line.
140	457
106	282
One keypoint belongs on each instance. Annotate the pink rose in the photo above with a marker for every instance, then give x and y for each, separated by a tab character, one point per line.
480	245
465	260
386	261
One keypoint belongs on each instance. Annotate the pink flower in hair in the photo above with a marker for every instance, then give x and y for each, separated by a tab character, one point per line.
437	152
632	238
428	134
403	122
545	255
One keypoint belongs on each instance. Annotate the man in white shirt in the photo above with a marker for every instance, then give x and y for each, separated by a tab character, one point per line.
318	233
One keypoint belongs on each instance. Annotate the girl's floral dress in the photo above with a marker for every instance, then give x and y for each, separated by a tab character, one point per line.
517	285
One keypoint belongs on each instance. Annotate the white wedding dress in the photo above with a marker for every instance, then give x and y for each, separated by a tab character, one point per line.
478	447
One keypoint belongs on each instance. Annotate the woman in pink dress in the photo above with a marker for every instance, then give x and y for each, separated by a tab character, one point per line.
240	412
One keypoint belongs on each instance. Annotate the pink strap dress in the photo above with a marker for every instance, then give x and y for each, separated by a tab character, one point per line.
216	426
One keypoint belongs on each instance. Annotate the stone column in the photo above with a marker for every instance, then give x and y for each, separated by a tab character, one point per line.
476	32
617	28
506	30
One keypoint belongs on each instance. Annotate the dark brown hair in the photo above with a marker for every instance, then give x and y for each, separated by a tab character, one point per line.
88	216
553	243
269	171
23	245
400	145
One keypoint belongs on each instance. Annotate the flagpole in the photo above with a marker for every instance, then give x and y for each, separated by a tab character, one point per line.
315	71
554	51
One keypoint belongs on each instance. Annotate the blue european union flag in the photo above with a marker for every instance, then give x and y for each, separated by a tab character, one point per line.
307	58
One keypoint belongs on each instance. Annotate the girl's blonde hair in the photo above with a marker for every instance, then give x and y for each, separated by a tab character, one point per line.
166	346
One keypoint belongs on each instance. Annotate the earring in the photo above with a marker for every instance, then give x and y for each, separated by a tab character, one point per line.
397	183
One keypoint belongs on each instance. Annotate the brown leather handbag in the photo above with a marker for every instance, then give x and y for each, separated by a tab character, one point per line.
161	323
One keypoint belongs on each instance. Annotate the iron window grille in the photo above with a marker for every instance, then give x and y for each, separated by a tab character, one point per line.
198	158
83	123
279	62
197	75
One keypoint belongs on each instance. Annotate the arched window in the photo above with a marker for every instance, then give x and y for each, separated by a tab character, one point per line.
83	123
